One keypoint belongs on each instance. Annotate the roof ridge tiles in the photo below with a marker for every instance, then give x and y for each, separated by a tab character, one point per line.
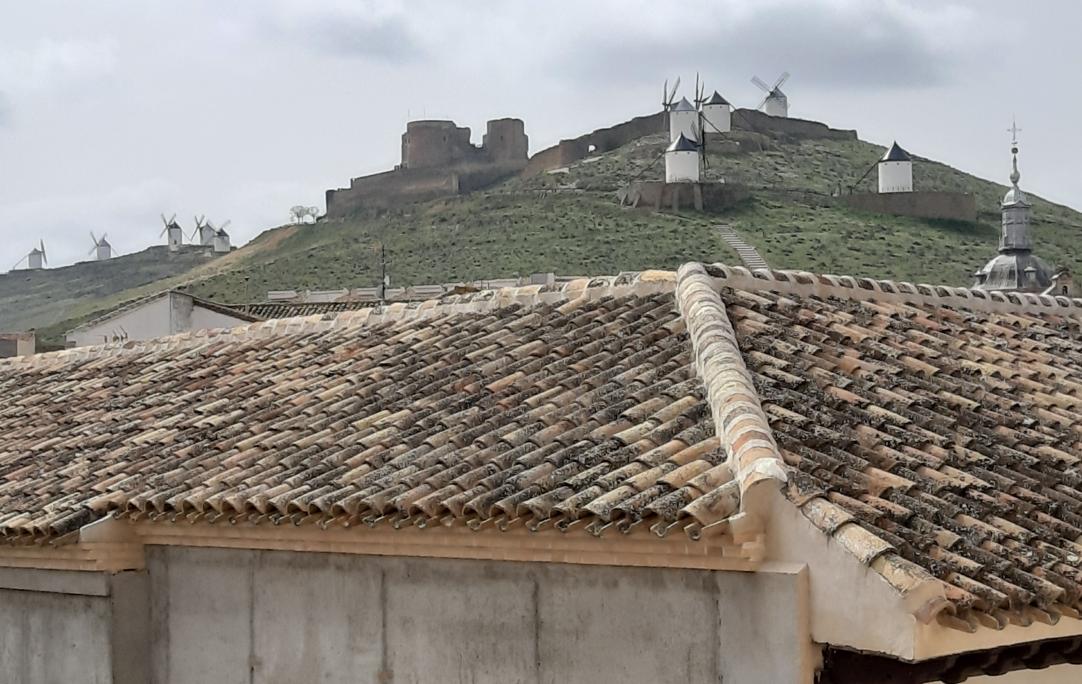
860	288
739	419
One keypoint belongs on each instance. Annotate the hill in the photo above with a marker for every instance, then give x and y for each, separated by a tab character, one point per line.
33	299
570	222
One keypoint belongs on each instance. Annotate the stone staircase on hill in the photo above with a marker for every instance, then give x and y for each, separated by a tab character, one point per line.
748	254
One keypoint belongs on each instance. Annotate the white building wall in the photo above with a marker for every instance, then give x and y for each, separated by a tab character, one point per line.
176	237
718	119
165	315
206	319
684	123
681	167
895	176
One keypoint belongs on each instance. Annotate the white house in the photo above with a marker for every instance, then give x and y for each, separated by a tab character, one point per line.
166	313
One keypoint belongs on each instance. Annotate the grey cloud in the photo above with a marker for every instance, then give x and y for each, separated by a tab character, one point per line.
350	34
861	46
6	110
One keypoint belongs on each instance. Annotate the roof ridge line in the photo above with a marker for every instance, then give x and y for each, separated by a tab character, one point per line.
853	287
581	289
739	420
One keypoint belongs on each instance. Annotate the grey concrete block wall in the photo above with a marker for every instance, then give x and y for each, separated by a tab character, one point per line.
256	617
52	637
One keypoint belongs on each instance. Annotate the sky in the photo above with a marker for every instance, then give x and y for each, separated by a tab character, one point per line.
114	112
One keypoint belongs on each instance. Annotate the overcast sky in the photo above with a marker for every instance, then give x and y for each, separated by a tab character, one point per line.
113	112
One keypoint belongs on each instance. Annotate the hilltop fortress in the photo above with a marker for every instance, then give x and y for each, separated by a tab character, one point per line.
438	159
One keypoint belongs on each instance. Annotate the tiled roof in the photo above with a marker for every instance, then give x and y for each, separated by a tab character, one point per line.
932	432
579	411
266	310
931	436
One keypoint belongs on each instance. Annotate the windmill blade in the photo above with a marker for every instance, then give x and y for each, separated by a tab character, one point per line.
16	265
195	231
95	240
223	226
763	103
164	222
696	91
759	82
664	95
103	236
44	257
163	229
173	220
93	249
781	79
675	87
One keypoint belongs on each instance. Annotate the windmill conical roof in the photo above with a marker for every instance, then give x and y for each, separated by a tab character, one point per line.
717	99
896	153
683	106
682	144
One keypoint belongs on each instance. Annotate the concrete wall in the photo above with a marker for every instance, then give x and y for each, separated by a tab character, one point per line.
72	627
272	617
952	206
17	344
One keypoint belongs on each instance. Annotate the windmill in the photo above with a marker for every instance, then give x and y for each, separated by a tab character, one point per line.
175	234
35	258
775	103
203	233
220	241
668	96
101	250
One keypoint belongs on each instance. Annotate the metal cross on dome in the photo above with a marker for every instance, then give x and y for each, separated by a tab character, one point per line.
1013	130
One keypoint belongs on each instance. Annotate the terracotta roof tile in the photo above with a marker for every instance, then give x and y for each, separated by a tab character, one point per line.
928	431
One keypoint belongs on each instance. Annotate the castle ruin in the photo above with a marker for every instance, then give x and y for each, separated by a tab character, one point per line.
438	160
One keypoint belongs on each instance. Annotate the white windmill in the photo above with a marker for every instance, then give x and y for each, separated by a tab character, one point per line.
174	233
775	103
101	250
35	259
896	170
717	115
683	116
683	161
203	234
221	238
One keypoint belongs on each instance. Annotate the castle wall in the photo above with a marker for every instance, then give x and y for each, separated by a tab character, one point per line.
754	120
391	188
952	206
505	140
603	139
434	144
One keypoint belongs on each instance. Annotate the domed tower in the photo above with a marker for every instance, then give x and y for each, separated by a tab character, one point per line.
1016	267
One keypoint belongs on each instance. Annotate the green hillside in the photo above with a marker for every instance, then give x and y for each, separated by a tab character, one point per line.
571	223
37	299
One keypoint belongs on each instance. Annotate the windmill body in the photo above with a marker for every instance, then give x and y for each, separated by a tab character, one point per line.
102	250
174	234
717	115
682	161
35	260
683	121
775	103
895	171
221	241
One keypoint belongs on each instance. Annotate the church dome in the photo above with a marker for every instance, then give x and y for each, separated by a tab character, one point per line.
1015	196
1020	271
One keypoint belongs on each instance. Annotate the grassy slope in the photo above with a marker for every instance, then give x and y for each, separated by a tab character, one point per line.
570	223
36	298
